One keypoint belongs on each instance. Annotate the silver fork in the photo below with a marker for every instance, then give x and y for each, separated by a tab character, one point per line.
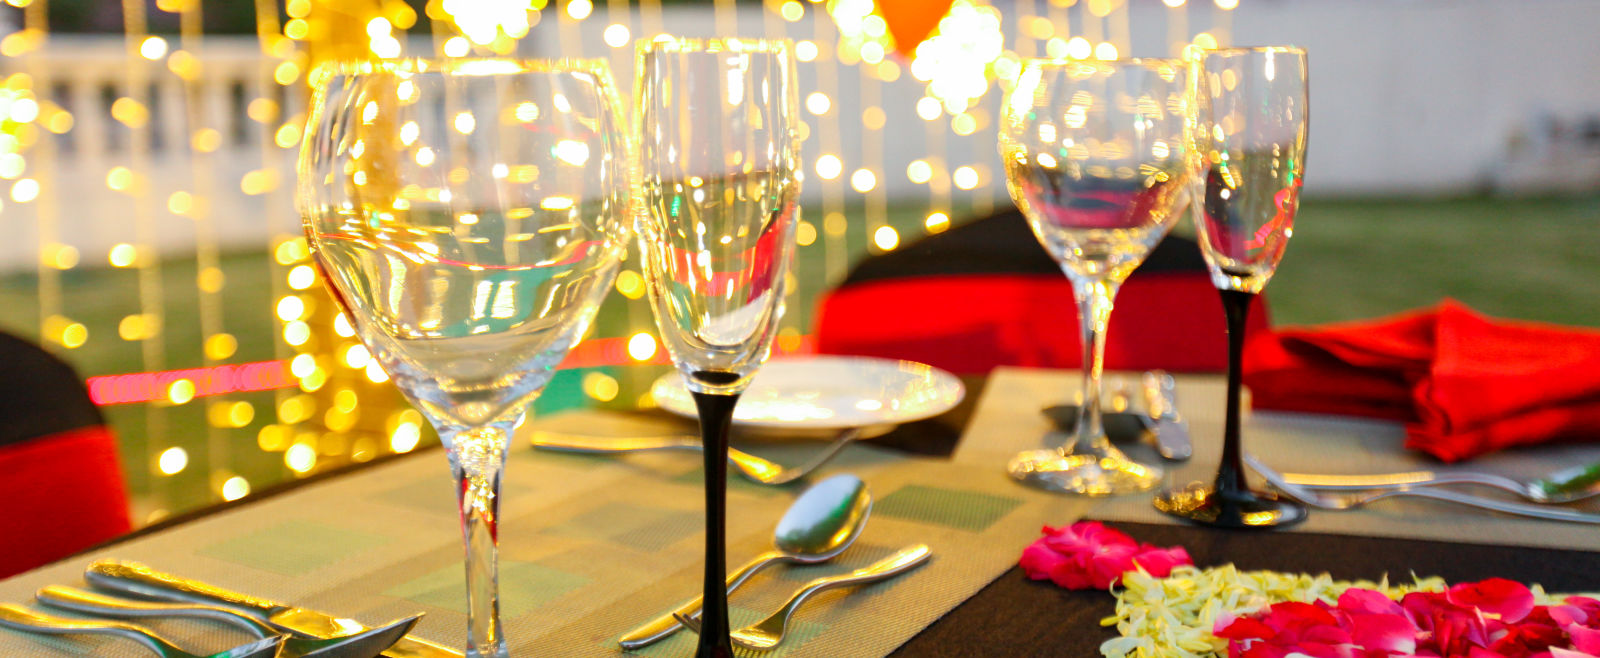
18	618
750	466
767	633
1332	501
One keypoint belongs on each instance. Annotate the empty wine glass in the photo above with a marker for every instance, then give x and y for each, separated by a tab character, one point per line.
719	181
1249	149
469	215
1095	158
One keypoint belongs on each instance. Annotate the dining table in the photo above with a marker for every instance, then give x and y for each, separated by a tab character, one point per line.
592	546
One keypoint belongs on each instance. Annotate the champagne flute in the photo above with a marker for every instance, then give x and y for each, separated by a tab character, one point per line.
1248	147
1095	158
719	183
469	216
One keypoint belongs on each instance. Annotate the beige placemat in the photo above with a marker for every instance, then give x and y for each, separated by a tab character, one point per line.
1007	420
591	547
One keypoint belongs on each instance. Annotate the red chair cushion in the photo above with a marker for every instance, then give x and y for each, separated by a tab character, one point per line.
59	494
972	323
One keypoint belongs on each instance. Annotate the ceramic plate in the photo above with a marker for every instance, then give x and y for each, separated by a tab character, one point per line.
829	393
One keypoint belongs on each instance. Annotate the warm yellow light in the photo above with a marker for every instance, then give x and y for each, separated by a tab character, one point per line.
556	203
1173	3
286	73
964	124
259	181
300	458
600	386
1105	51
172	461
886	238
262	110
929	108
874	118
937	222
863	180
302	277
1079	48
180	392
405	437
11	165
457	47
235	488
357	356
291	308
805	234
1227	4
210	279
297	8
834	223
25	190
805	50
919	171
792	11
272	438
302	365
424	156
465	123
296	28
342	327
119	179
137	327
616	35
818	103
241	413
579	9
60	122
1205	41
61	256
965	177
180	203
642	346
829	167
630	284
220	346
296	333
206	140
572	152
74	335
375	372
122	254
153	48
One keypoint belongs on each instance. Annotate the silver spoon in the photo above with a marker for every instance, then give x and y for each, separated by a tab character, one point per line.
767	633
366	643
19	618
748	465
820	524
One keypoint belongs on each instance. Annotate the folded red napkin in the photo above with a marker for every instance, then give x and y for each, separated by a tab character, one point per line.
1464	383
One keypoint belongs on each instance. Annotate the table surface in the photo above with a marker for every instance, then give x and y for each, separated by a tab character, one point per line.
971	602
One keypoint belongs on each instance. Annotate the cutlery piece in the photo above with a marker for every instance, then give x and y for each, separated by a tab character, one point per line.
820	524
1161	403
1564	486
140	581
18	618
1348	501
767	633
748	465
367	644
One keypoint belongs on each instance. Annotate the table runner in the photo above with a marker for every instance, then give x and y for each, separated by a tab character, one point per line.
591	547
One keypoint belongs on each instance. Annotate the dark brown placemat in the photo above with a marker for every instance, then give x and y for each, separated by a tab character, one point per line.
1014	616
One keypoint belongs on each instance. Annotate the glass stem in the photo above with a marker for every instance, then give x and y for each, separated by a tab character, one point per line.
1095	298
716	415
477	459
1230	474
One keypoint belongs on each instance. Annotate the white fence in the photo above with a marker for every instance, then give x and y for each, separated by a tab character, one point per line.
1411	97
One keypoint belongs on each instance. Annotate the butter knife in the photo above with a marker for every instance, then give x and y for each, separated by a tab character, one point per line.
1161	401
141	581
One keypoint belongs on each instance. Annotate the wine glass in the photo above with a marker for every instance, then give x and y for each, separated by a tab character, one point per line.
719	181
469	216
1094	156
1248	147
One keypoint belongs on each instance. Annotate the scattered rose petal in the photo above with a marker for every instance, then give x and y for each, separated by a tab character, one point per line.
1507	599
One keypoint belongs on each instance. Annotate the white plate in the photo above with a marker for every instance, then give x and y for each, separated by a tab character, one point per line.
829	393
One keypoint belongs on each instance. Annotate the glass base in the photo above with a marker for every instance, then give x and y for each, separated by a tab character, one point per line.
1088	475
1200	504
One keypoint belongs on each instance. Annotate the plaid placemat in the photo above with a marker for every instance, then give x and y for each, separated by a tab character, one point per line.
590	548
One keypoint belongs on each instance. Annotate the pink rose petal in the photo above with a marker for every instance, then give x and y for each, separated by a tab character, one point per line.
1507	599
1584	639
1039	561
1384	632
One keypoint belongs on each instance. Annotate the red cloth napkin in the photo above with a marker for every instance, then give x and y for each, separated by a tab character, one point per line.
1465	384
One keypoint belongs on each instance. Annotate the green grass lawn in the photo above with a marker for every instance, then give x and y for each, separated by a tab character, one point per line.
1350	259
